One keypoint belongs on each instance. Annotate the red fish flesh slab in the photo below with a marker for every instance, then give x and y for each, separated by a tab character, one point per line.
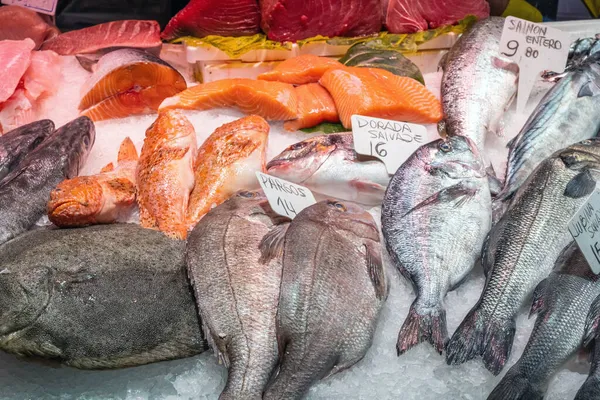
18	23
215	17
15	56
129	33
409	16
287	20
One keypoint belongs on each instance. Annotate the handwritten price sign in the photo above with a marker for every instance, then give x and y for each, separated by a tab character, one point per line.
585	229
286	198
41	6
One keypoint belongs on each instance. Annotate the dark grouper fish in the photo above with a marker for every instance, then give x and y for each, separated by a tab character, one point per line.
16	144
562	302
521	250
108	296
442	186
24	192
332	290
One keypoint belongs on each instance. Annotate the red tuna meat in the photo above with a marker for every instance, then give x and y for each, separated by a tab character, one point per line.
215	17
408	16
129	33
291	20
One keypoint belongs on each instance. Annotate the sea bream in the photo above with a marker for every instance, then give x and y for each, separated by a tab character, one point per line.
521	250
443	185
329	165
478	83
25	191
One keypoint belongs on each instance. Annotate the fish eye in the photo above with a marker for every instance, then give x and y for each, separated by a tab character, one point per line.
246	194
297	146
86	140
587	141
445	147
337	205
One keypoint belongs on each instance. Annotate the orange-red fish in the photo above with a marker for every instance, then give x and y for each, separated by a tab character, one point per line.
378	93
315	105
300	70
227	162
271	100
165	174
98	199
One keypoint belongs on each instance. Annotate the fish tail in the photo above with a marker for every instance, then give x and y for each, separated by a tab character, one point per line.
515	386
590	390
127	151
421	327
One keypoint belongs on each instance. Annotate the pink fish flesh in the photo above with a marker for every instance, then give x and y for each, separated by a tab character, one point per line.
15	56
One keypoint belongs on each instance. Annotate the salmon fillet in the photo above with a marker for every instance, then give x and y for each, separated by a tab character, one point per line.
271	100
315	105
378	93
301	70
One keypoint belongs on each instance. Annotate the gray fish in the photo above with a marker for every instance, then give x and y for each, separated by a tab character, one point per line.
238	289
590	390
522	248
101	297
329	165
478	83
16	144
332	291
443	185
561	302
567	114
24	192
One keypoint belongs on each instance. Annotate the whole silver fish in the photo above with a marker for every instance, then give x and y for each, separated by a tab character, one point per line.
238	289
521	250
478	83
443	185
332	291
329	165
561	302
567	114
24	192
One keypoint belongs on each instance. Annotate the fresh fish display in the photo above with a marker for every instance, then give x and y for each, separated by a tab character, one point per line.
329	165
315	106
478	83
19	23
129	33
16	144
128	82
332	290
15	56
165	174
270	100
108	296
441	186
227	162
378	93
98	199
590	390
565	115
521	250
562	302
214	17
306	68
238	292
25	191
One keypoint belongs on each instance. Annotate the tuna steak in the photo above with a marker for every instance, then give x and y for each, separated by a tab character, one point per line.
296	20
18	23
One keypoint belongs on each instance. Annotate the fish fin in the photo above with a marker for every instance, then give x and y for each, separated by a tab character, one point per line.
368	186
537	304
461	193
87	63
514	385
592	322
495	184
442	62
418	328
512	142
583	184
590	89
376	273
221	356
127	151
108	168
271	245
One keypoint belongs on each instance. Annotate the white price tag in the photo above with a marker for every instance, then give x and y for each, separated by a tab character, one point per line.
390	141
585	229
535	48
41	6
286	198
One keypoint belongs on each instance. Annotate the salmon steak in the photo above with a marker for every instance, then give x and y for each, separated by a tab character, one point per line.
374	92
274	101
165	174
315	105
128	82
98	199
300	70
226	163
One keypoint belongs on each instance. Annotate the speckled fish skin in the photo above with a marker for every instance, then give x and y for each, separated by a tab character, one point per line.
238	292
478	84
521	250
332	291
561	302
442	186
566	115
16	144
25	191
107	296
590	390
329	165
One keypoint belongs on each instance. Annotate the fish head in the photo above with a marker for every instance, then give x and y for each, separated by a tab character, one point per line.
583	154
455	157
77	141
76	201
344	216
302	160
